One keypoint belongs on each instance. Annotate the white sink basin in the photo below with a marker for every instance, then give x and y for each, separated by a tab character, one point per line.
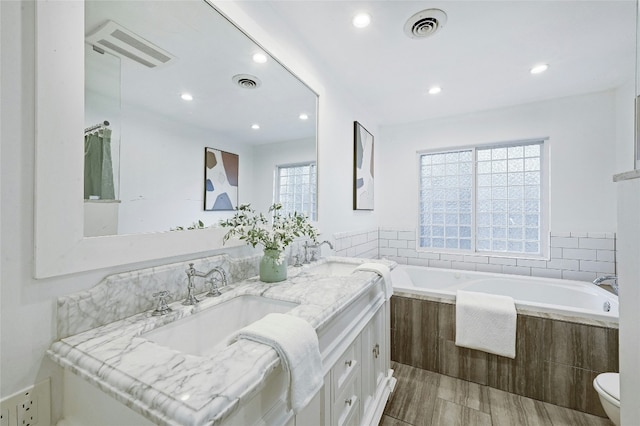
333	267
207	332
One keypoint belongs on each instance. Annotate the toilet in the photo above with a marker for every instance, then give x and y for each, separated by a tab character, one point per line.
608	387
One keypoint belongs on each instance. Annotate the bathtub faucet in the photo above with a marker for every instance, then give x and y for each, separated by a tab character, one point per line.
308	246
192	273
614	282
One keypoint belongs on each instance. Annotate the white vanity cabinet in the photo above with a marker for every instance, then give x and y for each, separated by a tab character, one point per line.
360	380
351	317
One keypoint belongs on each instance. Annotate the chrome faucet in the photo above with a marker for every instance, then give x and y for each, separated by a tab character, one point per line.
192	272
614	284
308	246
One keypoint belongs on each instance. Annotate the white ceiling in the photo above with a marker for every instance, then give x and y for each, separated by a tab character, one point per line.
481	58
209	51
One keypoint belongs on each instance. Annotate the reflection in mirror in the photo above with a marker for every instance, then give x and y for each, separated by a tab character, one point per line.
173	78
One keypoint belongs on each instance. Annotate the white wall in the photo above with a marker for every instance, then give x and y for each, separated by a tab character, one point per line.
173	194
582	140
27	307
267	157
625	119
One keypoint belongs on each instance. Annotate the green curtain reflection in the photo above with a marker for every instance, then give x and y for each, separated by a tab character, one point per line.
98	168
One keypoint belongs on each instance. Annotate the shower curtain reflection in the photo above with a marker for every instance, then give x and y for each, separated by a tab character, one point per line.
98	168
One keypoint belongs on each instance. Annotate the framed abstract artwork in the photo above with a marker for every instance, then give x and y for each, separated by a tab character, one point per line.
362	168
220	180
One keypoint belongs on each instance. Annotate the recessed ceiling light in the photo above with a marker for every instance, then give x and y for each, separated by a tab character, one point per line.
435	90
361	20
303	116
539	68
255	126
186	97
260	58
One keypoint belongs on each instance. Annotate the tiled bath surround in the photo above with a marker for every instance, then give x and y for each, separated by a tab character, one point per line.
362	244
575	256
555	361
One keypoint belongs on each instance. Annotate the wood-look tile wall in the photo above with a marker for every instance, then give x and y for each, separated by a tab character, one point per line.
555	361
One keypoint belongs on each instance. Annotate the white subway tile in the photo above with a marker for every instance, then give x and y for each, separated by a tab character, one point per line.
389	235
560	234
564	242
383	243
428	255
578	275
546	273
606	255
480	267
440	264
406	235
579	234
502	261
556	253
595	266
388	251
417	261
516	270
597	235
463	266
476	259
570	265
372	235
368	254
453	257
407	252
597	243
399	260
532	263
351	252
359	239
579	254
398	244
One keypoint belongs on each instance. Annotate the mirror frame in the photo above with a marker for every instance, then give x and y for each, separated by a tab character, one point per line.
60	247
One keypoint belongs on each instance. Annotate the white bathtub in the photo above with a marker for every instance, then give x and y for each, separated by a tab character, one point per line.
571	299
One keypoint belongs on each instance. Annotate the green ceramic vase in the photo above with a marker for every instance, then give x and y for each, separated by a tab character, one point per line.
270	270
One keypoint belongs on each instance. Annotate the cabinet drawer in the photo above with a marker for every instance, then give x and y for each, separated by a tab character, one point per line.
346	408
345	368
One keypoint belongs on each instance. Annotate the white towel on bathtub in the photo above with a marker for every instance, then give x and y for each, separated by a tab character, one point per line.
296	343
486	322
383	271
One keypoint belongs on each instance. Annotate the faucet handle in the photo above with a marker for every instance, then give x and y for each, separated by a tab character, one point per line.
162	308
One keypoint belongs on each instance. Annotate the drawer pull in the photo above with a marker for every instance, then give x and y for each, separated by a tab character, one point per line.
348	363
376	350
348	401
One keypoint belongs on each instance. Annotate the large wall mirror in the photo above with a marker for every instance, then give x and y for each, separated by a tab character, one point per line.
172	78
158	140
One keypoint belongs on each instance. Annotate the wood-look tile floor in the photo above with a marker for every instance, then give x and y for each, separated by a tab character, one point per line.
424	398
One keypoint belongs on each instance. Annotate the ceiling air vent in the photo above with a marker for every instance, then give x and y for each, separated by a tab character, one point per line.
247	81
114	38
425	24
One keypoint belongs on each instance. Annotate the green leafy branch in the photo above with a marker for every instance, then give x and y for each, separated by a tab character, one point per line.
275	234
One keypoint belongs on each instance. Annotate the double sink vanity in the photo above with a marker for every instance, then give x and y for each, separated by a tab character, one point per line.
124	365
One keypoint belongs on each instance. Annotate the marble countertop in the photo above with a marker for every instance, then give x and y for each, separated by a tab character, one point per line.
174	388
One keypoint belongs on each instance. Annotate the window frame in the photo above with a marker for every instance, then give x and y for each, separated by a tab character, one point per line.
313	198
545	210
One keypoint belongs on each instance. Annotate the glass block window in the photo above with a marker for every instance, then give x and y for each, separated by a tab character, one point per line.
483	199
296	189
446	200
509	199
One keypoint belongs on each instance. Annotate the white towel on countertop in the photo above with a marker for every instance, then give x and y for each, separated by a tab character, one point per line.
383	271
296	343
486	322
